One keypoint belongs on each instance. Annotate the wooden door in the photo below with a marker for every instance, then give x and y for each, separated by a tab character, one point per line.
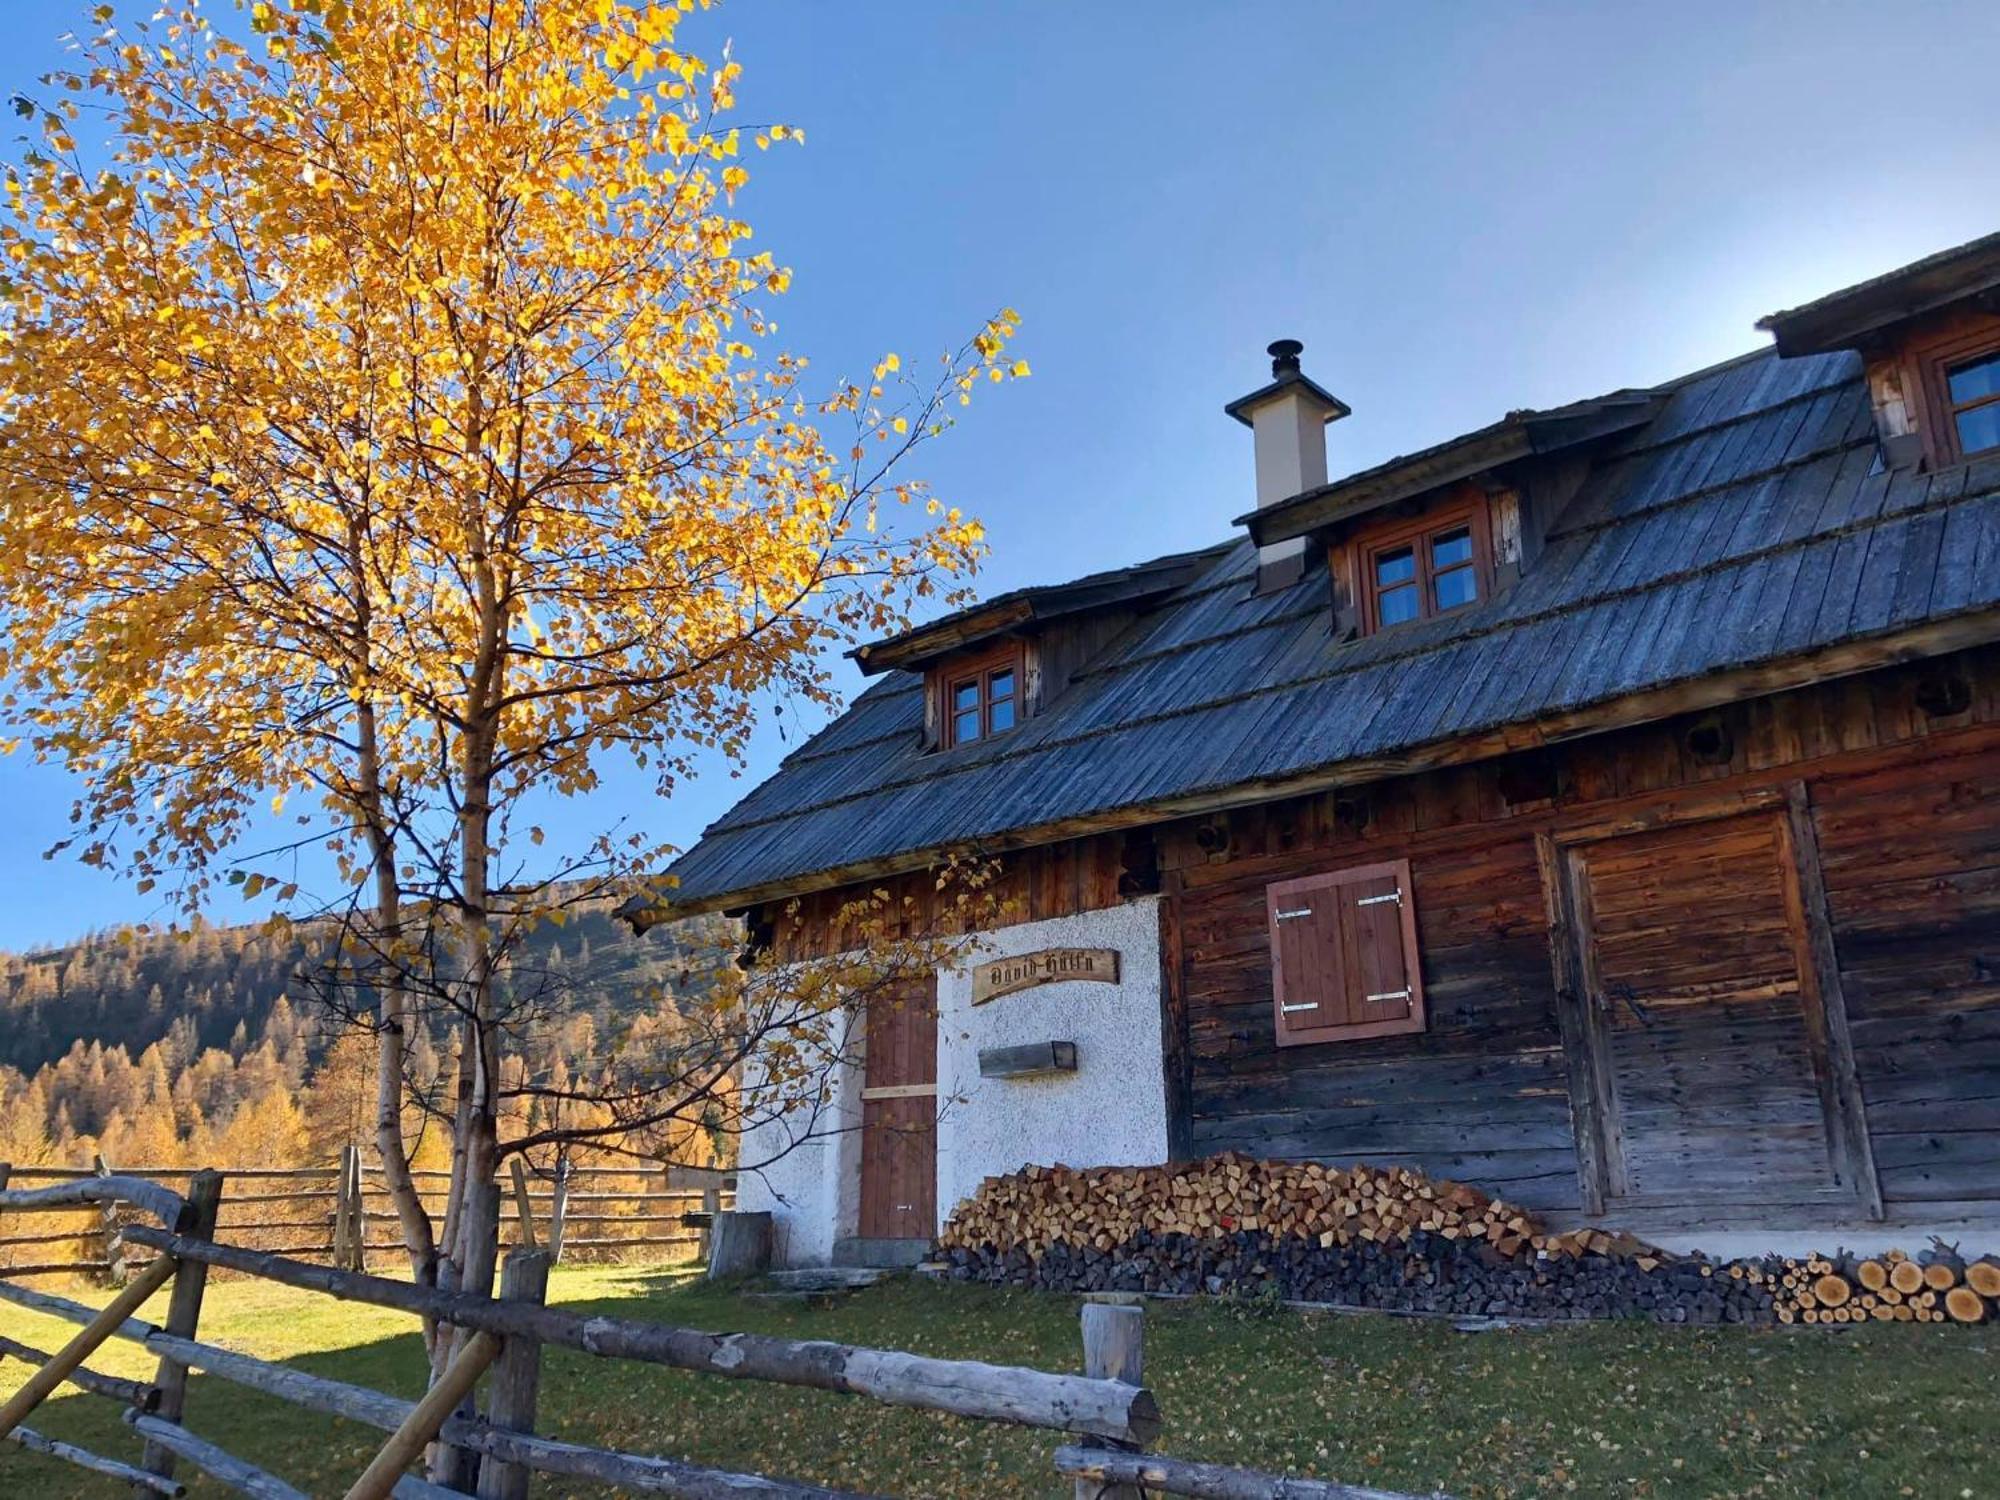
899	1114
1707	1020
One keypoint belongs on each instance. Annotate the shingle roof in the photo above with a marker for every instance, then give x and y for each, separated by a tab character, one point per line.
1744	524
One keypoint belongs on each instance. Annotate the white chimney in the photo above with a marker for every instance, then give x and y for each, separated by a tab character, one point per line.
1287	421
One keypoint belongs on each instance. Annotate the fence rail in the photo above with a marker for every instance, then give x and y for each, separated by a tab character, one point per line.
1107	1411
344	1213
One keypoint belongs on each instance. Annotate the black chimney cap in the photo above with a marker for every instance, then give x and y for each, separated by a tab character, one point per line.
1285	374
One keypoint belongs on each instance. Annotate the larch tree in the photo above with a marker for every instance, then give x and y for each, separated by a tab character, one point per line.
389	428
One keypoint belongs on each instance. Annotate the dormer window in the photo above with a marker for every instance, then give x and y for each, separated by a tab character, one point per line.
981	696
1419	568
1971	399
1929	339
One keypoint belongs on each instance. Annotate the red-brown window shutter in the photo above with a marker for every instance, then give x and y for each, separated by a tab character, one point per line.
1344	955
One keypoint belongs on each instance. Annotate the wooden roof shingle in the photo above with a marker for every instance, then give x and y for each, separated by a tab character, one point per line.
1744	526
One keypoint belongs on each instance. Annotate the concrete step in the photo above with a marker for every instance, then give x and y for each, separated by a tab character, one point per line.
821	1279
900	1254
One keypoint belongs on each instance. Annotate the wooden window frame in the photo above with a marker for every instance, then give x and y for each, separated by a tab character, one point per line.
1279	897
1927	360
982	667
1415	533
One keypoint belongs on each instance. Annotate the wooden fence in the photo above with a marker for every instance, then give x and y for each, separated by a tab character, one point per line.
1106	1412
342	1212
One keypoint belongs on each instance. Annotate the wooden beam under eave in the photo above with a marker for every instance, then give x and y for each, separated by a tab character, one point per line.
1847	659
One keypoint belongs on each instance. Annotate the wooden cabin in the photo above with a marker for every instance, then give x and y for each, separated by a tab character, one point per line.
1602	808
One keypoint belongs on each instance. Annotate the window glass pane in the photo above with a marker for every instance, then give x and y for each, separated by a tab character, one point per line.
1979	377
965	727
1979	429
1002	714
1449	549
1459	586
1396	566
1000	685
1393	606
965	695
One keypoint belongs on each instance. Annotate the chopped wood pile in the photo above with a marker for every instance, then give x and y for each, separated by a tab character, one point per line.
1936	1286
1393	1238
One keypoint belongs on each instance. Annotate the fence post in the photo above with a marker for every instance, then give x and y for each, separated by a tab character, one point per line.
711	1204
197	1222
517	1377
114	1254
347	1226
1114	1348
559	1211
522	1208
357	1199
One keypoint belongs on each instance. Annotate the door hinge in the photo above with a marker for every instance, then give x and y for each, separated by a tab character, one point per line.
1388	995
1395	896
1302	1005
1295	913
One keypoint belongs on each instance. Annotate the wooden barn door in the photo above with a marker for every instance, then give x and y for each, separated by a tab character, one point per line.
1722	1072
899	1114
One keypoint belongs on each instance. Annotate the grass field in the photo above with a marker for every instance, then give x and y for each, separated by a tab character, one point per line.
1603	1410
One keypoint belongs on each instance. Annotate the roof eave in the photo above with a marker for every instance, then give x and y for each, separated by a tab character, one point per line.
946	635
1519	436
1136	585
1693	695
1855	316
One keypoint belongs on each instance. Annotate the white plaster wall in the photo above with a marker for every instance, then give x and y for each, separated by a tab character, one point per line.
810	1184
1110	1112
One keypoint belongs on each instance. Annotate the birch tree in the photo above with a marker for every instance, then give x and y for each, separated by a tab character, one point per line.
391	437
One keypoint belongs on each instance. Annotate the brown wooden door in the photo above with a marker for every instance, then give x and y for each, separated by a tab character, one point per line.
899	1114
1708	1025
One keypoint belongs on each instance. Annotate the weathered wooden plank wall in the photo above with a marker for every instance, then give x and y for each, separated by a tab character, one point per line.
1907	805
1905	800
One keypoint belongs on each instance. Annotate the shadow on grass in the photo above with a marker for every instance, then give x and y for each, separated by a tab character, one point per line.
1595	1409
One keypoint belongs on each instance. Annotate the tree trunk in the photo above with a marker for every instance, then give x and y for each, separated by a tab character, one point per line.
392	1036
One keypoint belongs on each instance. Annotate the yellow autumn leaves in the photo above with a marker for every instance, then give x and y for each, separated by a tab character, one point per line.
395	421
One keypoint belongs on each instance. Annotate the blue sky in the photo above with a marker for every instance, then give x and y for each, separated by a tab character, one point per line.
1460	209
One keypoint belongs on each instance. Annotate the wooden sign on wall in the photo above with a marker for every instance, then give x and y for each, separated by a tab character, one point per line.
1006	976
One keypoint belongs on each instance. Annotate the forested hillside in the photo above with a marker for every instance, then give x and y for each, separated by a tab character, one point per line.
214	1044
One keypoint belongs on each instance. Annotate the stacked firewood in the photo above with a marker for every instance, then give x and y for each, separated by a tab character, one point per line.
1107	1206
1395	1239
1937	1286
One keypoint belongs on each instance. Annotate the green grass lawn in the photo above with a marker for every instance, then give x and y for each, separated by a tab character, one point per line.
1600	1410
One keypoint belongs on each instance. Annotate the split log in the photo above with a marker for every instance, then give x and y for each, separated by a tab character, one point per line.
96	1463
126	1392
224	1468
36	1388
162	1203
1179	1476
135	1329
631	1471
967	1388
